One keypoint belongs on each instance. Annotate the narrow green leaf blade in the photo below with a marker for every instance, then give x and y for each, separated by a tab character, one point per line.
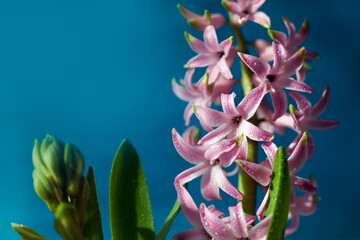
130	207
92	229
27	233
279	201
165	228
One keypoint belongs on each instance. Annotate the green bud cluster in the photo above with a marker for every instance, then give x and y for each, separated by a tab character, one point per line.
59	182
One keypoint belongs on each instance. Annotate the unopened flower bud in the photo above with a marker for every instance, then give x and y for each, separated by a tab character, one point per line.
74	168
45	190
67	222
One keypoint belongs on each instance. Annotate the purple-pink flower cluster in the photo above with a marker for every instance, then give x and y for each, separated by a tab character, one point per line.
225	145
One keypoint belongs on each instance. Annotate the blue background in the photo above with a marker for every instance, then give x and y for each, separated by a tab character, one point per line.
94	72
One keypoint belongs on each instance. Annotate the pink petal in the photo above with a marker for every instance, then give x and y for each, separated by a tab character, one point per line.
311	145
294	63
196	233
302	184
189	153
195	44
278	53
300	75
259	173
191	135
234	7
192	173
279	102
321	106
217	20
188	81
260	229
261	210
259	66
181	92
264	49
215	150
187	114
216	135
238	221
202	60
250	103
278	36
214	225
319	124
225	184
270	151
224	68
208	185
210	117
210	39
186	13
302	102
290	28
295	221
255	133
228	105
306	204
299	156
188	206
256	4
260	18
243	148
291	84
302	34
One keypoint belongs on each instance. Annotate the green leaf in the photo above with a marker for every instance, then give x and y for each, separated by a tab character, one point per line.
164	230
279	201
92	229
130	207
27	233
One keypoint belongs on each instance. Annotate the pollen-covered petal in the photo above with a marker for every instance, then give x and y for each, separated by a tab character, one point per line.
214	225
202	60
195	44
211	40
260	18
228	104
302	184
225	184
216	135
255	133
188	206
189	153
195	233
279	101
238	221
259	173
260	230
210	117
224	68
215	150
259	66
208	185
299	156
192	173
321	106
250	103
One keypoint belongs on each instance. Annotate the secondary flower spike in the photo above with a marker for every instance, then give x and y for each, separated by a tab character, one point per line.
278	77
211	53
247	10
201	22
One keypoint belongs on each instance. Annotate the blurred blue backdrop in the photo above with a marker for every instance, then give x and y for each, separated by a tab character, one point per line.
94	72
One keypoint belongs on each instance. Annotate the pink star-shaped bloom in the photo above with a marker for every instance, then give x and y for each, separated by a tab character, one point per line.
201	22
213	176
306	118
247	10
262	172
229	139
201	93
278	77
218	57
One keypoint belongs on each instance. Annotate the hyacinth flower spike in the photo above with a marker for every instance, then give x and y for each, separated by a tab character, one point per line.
247	10
262	172
213	176
201	22
201	93
306	117
232	125
278	77
210	53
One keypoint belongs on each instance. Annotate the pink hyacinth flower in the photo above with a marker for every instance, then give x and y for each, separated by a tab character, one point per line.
262	172
306	117
278	77
247	10
201	22
211	53
213	176
201	93
233	129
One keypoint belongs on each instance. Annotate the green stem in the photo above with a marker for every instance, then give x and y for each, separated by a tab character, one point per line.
246	185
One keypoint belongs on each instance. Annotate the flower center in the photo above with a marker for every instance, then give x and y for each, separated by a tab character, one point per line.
216	162
220	54
236	119
271	78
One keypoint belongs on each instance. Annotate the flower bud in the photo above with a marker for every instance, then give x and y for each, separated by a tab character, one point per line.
74	168
67	222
